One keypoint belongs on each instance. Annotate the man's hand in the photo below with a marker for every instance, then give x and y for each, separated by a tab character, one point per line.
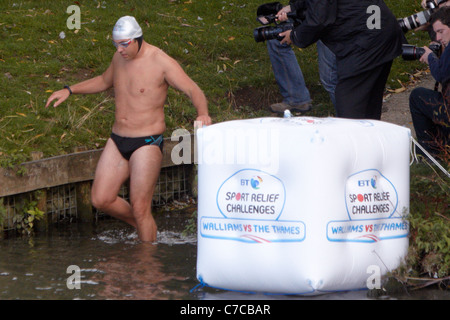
424	57
60	96
286	37
203	120
424	4
282	14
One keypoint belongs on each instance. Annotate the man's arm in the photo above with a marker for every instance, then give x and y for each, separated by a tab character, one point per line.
94	85
319	14
177	78
439	67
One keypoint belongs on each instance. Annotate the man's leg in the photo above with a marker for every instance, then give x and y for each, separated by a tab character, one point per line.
428	111
361	96
375	104
112	171
145	166
351	95
327	69
288	74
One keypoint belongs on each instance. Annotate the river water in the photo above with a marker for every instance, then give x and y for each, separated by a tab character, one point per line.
113	264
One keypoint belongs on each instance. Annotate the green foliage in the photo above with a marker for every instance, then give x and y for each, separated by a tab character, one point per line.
430	222
2	215
191	226
13	162
27	213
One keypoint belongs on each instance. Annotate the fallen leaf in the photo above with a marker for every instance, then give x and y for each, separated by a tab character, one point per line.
400	90
62	136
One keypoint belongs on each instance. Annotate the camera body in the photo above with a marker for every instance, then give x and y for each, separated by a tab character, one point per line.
266	14
419	19
410	52
271	32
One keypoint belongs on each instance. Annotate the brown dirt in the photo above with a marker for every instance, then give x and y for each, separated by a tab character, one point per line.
395	105
255	98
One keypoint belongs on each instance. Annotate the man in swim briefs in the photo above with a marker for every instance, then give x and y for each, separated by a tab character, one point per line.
141	75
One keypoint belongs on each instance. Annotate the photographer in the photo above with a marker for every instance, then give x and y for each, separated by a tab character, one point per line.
426	4
364	53
287	71
430	108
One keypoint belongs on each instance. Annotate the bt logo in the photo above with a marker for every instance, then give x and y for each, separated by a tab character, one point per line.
254	182
368	183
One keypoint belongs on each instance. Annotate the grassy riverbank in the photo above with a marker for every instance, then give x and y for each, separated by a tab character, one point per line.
213	42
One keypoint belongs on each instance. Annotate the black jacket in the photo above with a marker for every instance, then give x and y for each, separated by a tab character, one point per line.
342	26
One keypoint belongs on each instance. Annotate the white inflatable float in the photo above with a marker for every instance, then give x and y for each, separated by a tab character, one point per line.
301	205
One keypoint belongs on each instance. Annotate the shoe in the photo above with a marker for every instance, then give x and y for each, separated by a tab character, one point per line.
282	106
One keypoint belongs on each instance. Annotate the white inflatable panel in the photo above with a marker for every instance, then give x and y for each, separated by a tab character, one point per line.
301	205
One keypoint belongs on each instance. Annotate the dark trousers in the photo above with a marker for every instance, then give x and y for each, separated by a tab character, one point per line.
430	117
361	96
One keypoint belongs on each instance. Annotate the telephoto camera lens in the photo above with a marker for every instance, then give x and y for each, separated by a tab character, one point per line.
410	52
416	20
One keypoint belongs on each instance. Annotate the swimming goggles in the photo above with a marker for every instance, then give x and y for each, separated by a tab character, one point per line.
124	44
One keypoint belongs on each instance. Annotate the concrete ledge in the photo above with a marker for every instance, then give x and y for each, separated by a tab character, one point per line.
60	170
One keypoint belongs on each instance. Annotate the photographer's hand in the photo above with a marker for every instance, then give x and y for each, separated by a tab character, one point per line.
282	14
424	4
424	57
443	4
286	37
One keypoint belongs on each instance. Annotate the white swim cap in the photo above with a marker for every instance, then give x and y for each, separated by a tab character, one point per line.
126	28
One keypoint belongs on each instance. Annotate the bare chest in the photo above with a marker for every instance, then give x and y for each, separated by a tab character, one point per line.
138	79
